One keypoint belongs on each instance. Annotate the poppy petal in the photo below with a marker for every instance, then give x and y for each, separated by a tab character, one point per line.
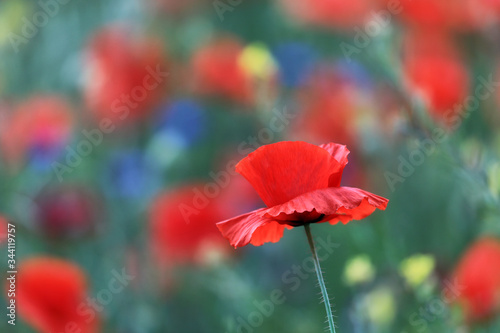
239	230
335	203
339	152
269	232
345	215
282	171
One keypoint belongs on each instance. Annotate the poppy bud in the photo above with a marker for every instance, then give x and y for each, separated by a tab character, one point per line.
66	211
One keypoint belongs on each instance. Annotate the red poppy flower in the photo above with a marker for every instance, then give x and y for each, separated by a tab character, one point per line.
43	122
217	71
125	74
300	184
49	293
434	69
478	274
182	226
330	13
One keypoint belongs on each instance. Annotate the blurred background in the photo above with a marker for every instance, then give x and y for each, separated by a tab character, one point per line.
121	123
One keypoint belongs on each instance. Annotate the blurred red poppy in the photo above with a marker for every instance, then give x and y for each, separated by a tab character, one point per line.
183	228
489	7
327	110
300	184
437	14
44	122
126	75
434	69
3	230
478	274
217	71
330	13
236	195
50	293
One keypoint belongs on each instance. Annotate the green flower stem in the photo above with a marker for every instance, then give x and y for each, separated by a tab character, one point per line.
320	279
